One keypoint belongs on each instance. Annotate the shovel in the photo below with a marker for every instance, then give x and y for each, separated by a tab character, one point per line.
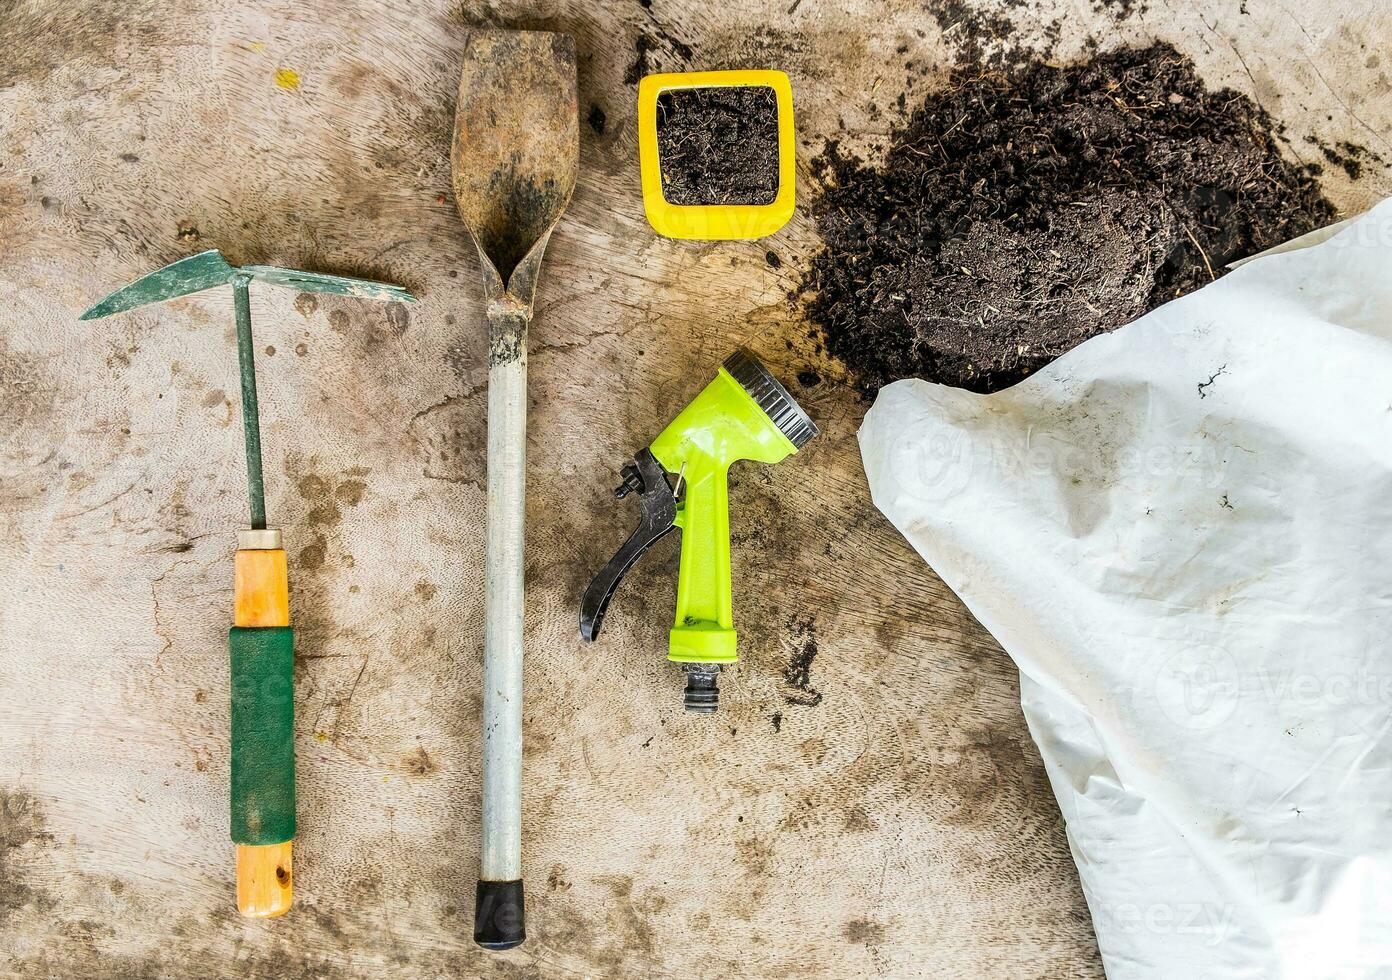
515	155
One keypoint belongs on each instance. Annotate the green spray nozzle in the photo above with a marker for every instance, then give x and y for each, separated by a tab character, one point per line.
682	482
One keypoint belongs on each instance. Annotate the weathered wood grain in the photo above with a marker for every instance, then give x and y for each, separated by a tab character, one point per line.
901	826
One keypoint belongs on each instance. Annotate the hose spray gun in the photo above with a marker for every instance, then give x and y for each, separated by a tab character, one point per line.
680	480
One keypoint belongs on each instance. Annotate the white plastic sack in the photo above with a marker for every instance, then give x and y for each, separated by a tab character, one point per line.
1182	534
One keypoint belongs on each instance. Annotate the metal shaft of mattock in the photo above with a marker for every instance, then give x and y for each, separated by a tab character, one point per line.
251	418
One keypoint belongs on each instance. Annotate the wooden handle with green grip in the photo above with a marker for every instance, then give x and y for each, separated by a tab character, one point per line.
261	644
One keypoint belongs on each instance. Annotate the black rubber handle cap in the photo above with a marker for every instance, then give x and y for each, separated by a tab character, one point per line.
500	915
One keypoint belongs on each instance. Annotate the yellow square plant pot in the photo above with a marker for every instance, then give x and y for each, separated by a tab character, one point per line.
715	221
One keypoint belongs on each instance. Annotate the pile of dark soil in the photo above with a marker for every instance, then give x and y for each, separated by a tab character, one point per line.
1014	218
718	145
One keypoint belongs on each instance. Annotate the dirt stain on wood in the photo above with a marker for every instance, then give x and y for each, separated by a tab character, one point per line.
802	634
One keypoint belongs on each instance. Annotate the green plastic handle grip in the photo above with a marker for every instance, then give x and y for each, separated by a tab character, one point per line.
721	425
263	734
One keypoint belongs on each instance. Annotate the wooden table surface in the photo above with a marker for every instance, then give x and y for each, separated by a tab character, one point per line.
900	826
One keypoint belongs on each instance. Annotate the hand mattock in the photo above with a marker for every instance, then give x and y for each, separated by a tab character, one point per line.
261	641
514	159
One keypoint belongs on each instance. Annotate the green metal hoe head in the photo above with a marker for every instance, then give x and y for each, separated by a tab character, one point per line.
208	269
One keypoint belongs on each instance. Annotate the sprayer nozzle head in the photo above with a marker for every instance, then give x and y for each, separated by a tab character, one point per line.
702	688
771	396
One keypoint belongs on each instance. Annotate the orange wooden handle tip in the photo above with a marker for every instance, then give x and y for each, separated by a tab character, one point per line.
261	588
265	882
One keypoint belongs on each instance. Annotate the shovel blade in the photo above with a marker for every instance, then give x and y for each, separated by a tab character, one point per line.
516	143
189	275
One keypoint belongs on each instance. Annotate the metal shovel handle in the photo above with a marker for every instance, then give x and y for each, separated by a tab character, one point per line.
500	911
